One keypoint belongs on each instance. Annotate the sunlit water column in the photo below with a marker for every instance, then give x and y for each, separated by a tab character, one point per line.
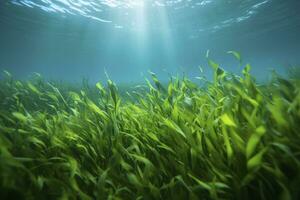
151	29
167	40
140	32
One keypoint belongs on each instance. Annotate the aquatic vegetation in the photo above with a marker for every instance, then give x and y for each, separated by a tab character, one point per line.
232	139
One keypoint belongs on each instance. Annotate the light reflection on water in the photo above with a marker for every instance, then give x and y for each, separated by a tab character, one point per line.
205	15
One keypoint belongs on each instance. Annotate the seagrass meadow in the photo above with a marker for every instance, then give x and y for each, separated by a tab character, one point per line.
229	138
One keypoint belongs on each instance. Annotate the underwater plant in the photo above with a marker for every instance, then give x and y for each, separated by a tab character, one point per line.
232	139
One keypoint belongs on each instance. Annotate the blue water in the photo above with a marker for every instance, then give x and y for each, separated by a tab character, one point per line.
74	39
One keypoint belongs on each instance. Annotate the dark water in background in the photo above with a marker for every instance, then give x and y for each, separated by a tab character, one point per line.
69	40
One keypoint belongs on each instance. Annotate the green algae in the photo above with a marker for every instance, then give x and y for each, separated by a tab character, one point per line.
230	140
